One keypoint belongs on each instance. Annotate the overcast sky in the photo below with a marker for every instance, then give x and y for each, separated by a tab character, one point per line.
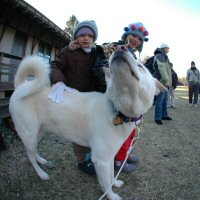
174	22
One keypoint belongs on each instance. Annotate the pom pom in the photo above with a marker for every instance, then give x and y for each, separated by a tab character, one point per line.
141	28
126	29
146	33
133	27
146	39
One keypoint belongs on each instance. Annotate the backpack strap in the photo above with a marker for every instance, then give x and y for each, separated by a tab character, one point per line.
154	60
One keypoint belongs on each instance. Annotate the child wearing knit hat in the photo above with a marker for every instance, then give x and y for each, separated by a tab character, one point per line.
134	36
86	27
79	66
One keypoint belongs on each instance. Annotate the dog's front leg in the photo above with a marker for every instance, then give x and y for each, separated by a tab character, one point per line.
103	170
117	183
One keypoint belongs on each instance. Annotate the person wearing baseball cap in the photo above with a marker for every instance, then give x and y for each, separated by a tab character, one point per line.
164	67
79	66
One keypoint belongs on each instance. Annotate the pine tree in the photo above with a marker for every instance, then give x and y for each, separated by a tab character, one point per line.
70	25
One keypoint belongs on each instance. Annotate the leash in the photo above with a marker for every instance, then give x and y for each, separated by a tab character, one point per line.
136	138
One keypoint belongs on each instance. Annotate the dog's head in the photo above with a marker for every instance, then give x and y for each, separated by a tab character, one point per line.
130	86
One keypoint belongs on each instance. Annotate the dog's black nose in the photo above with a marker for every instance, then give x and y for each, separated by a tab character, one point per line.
121	48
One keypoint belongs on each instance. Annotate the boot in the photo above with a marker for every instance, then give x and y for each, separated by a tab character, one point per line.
126	168
132	159
88	167
2	143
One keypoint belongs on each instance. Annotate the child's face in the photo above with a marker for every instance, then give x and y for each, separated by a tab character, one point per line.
133	41
85	40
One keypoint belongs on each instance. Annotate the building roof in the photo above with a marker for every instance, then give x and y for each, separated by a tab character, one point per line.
12	9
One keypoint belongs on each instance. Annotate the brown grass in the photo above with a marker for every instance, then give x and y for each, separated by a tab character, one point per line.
169	167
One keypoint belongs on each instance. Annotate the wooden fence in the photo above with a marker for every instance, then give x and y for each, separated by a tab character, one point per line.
8	67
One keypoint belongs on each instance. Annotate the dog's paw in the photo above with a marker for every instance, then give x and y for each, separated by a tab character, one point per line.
114	196
41	160
118	183
44	176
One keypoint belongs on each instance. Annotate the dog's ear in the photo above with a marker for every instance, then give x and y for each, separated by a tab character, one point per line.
107	73
159	87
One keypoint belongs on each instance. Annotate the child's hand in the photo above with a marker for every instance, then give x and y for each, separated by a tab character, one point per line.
57	92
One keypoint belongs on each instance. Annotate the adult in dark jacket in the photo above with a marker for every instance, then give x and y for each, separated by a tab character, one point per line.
164	76
79	66
171	97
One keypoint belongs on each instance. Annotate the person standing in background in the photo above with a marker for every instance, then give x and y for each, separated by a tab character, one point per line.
171	98
165	77
193	80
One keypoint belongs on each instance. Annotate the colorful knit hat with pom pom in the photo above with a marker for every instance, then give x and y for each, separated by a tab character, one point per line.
136	29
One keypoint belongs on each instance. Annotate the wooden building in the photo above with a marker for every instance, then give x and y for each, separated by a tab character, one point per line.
24	31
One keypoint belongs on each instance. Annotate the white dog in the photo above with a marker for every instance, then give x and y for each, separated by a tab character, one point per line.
84	118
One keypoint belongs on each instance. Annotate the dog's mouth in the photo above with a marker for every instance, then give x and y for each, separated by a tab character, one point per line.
123	58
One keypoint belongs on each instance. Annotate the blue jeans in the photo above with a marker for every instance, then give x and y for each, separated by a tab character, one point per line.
193	91
161	105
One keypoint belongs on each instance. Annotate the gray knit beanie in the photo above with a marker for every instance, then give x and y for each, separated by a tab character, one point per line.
87	23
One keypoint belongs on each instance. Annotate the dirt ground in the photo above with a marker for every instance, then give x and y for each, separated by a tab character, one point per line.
169	167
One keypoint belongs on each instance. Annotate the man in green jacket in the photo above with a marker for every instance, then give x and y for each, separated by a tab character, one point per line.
164	76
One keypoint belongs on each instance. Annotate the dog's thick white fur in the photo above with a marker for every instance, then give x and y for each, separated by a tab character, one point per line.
84	118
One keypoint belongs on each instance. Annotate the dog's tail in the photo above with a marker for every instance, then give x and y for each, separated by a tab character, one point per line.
31	76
